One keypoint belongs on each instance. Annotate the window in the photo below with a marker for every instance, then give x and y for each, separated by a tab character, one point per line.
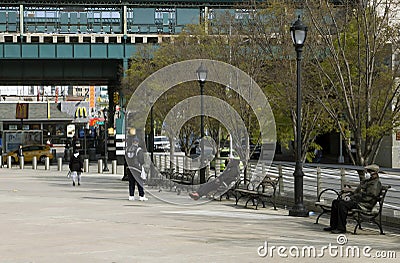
241	14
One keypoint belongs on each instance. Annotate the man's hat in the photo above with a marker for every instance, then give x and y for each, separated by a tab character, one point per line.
372	167
135	139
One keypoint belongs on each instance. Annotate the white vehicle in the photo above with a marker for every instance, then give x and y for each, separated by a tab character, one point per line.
161	143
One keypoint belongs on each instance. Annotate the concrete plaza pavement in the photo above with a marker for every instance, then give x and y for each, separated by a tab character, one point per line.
43	218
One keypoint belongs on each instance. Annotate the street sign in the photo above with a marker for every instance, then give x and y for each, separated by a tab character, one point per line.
70	130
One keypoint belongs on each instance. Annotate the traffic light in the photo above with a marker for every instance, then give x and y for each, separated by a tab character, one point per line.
116	97
111	131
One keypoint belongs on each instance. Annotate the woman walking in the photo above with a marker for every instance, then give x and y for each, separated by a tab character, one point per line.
76	167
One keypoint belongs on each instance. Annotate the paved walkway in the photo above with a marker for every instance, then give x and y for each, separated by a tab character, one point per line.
44	219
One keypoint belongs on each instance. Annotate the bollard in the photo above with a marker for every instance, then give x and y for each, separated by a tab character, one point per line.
59	164
1	161
34	163
47	163
281	186
9	162
217	167
86	165
319	181
176	164
21	162
114	166
342	178
100	166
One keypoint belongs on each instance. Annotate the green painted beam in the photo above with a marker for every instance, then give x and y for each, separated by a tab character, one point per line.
66	51
113	3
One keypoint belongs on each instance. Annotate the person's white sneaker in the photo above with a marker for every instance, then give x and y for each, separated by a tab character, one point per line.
142	198
131	198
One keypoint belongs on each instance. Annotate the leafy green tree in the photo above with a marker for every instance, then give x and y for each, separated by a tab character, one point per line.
191	44
261	46
149	59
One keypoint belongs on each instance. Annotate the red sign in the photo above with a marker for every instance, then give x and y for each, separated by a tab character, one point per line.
21	112
93	121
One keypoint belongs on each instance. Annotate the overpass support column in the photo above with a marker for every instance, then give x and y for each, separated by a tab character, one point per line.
206	11
125	24
21	19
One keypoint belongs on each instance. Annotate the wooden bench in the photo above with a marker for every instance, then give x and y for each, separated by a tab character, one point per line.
262	193
325	198
182	180
359	214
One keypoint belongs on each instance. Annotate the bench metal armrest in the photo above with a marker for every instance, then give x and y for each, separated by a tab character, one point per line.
266	184
328	190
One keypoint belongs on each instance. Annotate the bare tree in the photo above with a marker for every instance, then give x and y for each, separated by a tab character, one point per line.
267	32
356	79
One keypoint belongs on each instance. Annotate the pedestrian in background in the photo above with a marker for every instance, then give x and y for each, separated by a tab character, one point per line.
20	153
76	167
135	161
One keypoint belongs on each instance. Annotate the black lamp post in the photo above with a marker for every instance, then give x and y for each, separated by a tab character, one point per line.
105	169
298	32
151	139
201	77
151	142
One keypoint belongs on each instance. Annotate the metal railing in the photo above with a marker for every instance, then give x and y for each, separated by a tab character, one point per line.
316	178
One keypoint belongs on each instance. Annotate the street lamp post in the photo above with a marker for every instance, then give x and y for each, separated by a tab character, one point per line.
201	77
105	169
341	157
151	139
298	32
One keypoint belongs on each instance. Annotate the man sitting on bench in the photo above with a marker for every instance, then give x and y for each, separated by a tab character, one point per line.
365	196
230	174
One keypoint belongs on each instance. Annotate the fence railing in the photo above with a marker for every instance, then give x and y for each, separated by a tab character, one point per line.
316	178
319	177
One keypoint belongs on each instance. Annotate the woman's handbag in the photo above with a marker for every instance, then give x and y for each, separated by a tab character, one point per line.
143	174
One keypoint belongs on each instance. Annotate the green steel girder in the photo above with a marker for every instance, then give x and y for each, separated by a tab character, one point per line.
159	3
63	63
66	51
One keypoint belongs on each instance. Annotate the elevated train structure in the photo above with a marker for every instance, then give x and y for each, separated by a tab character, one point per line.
44	42
106	21
89	42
